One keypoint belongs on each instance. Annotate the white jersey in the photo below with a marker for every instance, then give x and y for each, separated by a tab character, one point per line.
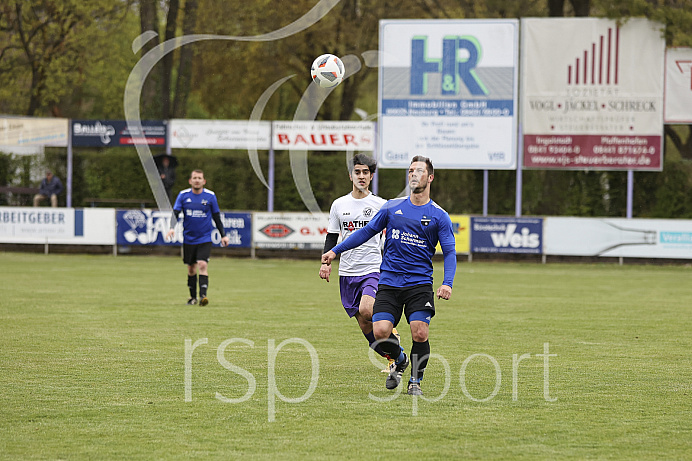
347	215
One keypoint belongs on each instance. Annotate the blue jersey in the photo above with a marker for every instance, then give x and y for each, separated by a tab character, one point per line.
197	215
412	235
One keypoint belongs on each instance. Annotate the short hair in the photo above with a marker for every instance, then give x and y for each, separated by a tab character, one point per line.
362	159
426	160
197	171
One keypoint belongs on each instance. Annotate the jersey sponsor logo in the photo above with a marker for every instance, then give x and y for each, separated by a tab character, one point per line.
353	225
276	230
425	221
398	212
395	234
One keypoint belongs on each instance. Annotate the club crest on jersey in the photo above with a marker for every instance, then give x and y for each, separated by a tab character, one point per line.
204	202
425	221
367	212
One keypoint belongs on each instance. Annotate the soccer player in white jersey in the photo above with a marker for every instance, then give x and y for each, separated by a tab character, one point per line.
359	269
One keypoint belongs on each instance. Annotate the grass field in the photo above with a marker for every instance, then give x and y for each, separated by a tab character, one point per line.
93	364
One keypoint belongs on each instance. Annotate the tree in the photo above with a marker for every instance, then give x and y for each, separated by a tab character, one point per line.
45	43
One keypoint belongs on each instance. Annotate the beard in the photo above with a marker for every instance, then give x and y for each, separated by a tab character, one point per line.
419	188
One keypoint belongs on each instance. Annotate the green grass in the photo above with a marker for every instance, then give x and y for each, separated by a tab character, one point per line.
92	364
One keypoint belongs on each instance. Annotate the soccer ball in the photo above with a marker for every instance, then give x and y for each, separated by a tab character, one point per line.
327	71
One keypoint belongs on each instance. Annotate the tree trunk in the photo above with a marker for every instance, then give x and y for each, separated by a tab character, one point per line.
149	21
685	148
581	7
556	8
182	86
167	68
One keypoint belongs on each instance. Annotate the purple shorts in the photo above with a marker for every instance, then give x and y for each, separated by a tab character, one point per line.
353	287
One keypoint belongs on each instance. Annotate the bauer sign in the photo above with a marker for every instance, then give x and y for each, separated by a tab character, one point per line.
448	90
149	227
333	136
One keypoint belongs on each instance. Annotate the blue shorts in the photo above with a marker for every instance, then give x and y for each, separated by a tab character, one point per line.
353	287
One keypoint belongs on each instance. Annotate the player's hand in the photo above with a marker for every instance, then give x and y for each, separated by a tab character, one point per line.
170	235
328	257
224	241
325	272
444	292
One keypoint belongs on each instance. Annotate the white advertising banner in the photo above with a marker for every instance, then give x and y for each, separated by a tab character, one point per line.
678	96
448	90
73	226
33	131
618	237
219	134
592	93
296	231
333	136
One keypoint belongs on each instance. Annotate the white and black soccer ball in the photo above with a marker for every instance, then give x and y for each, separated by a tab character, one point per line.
327	71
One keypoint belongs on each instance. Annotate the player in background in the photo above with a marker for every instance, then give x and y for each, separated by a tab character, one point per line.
200	212
415	224
359	269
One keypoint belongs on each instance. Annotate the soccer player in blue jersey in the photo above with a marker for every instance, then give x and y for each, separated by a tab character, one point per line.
359	269
200	213
415	224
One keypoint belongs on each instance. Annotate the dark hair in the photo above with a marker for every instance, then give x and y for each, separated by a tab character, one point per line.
362	159
197	171
428	163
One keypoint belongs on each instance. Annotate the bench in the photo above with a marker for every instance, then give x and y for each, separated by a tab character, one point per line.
142	202
22	191
19	190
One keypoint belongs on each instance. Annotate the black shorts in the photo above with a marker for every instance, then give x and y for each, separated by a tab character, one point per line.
395	301
194	253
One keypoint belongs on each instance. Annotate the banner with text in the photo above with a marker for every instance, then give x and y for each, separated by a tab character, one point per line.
75	226
592	93
117	133
619	237
506	235
448	90
678	96
220	134
33	131
294	231
149	227
335	136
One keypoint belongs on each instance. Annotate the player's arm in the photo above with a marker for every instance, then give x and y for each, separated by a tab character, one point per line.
449	252
359	237
219	225
330	242
174	222
216	217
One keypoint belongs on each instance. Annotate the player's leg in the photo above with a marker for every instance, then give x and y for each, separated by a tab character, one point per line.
420	352
364	318
189	258
387	311
420	308
203	253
